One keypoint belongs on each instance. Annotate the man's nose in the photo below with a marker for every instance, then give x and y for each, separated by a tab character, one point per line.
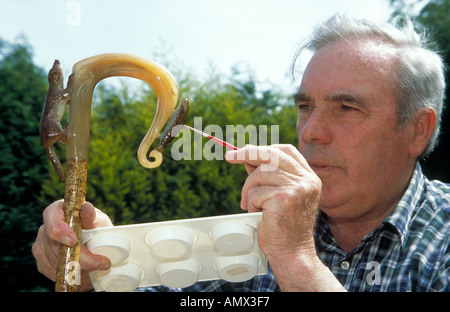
316	128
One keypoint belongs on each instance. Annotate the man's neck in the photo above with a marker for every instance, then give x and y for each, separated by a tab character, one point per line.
349	233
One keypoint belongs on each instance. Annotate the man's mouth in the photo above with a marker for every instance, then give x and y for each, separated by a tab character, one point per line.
319	166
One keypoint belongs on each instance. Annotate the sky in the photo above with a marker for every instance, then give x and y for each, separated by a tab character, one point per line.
197	35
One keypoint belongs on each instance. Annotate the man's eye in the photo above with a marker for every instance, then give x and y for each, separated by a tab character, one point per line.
304	107
348	108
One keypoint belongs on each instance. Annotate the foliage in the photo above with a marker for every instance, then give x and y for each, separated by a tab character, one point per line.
23	165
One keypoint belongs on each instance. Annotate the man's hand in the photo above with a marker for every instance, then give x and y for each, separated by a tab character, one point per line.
284	187
55	231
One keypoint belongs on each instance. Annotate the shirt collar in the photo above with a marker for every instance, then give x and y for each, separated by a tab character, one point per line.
400	217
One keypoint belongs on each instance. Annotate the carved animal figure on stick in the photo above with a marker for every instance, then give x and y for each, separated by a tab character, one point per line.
50	129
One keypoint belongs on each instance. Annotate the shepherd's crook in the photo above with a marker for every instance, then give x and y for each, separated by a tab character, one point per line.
78	94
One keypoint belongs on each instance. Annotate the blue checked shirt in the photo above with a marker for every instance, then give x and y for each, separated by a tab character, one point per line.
409	251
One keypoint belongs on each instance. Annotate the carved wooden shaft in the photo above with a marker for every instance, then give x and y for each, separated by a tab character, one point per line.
68	275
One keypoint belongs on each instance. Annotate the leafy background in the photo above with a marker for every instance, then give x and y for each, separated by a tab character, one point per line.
117	184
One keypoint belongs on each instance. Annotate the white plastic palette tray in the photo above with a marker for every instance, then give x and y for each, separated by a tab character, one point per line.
177	253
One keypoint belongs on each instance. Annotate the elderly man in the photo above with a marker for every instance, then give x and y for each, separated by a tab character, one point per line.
350	209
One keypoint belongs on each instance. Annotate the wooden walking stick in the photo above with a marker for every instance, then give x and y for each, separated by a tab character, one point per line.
78	95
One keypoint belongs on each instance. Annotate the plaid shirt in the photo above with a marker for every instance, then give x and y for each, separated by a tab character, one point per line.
409	251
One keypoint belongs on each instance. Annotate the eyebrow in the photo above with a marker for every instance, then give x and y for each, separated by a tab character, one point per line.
301	96
344	97
340	96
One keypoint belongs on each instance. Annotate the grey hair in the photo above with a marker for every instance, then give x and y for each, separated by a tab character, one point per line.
419	73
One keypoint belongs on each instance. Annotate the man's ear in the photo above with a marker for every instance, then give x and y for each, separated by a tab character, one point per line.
424	123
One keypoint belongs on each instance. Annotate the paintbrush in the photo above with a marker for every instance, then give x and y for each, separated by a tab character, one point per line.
227	145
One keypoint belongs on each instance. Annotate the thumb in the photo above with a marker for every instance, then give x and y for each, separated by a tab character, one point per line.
93	218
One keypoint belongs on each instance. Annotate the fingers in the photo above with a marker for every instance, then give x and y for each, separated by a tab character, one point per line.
275	165
257	197
55	227
91	262
45	254
55	231
256	183
58	230
286	190
273	156
92	217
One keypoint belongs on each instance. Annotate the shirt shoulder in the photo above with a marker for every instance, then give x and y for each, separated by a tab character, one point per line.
429	236
438	195
433	209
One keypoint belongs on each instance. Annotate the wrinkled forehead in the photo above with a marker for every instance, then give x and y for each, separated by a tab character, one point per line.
365	68
357	57
370	52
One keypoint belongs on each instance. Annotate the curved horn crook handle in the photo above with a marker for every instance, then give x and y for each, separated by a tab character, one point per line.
88	72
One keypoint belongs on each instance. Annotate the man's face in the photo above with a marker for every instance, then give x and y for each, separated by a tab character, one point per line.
348	129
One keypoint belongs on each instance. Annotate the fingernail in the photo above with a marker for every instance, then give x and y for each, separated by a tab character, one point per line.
104	266
66	240
229	155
